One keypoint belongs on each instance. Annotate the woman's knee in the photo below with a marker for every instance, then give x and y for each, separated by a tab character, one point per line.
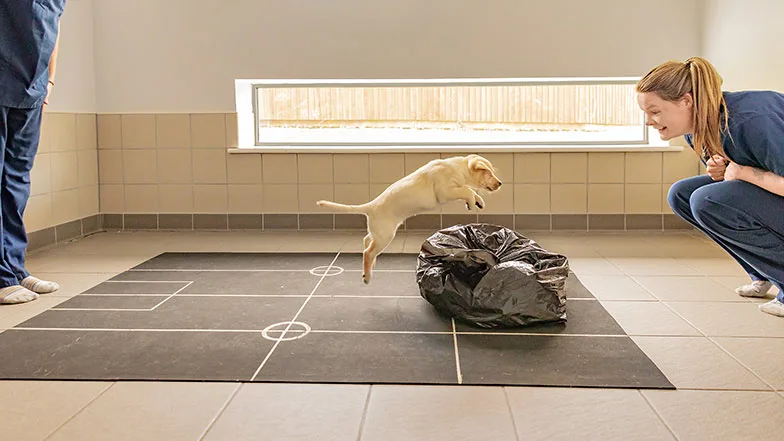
701	205
679	195
718	204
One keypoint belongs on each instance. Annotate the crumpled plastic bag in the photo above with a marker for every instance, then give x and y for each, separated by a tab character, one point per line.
490	276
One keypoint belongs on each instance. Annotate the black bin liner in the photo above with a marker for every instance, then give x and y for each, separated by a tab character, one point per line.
490	276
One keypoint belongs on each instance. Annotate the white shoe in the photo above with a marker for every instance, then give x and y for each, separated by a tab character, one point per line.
757	288
773	307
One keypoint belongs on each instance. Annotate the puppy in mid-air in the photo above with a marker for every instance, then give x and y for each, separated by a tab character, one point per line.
436	183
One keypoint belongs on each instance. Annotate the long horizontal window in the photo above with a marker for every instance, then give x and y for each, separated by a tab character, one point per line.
449	112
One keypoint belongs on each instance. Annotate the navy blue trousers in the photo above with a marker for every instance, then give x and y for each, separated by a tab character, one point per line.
746	220
19	133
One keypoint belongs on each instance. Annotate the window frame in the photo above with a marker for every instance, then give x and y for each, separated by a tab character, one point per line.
247	95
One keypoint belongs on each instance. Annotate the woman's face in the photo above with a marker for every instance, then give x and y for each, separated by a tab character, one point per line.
671	118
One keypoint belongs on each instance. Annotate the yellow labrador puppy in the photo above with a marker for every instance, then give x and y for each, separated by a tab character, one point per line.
436	183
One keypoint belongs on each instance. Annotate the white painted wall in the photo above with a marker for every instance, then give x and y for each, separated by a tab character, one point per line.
75	82
745	41
184	55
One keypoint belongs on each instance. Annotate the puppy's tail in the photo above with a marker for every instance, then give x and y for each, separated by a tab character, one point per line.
344	208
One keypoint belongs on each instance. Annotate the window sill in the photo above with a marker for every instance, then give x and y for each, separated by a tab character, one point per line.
478	148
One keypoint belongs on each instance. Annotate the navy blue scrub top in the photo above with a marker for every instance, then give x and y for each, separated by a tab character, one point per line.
28	31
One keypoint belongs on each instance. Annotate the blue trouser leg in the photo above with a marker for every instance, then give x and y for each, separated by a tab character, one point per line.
19	135
744	219
679	199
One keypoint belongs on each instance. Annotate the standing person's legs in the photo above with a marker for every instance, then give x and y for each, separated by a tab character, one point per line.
679	198
19	135
750	222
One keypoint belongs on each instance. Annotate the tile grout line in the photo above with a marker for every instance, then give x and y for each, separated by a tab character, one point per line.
364	413
658	415
504	389
773	388
277	342
666	305
100	394
221	411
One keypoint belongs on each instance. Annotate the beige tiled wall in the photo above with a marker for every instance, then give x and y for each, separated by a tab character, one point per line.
64	178
179	164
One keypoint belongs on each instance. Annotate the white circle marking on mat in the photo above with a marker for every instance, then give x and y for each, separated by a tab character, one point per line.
327	271
297	333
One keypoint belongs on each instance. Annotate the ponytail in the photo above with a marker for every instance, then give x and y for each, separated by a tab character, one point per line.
672	80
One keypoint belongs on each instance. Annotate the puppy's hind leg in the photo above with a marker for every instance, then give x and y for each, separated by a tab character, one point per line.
379	241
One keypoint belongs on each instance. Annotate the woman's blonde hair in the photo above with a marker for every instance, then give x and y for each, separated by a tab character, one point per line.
674	79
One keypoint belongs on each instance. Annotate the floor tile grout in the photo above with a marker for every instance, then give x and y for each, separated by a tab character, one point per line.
68	420
511	412
658	414
748	369
221	411
364	413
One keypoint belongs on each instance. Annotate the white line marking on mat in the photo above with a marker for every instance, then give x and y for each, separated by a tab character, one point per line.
457	354
146	281
253	378
167	298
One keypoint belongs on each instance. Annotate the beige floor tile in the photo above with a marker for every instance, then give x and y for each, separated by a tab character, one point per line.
615	288
255	241
292	412
764	356
720	415
593	414
437	413
12	315
651	266
72	284
249	246
683	247
629	249
594	267
697	363
149	411
331	245
648	318
107	263
568	247
732	282
108	243
718	266
688	289
32	410
413	244
207	241
730	319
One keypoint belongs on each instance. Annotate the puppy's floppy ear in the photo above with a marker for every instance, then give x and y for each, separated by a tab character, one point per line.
477	163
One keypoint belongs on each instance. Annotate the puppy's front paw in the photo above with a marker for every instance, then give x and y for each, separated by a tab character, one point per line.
468	206
480	202
365	279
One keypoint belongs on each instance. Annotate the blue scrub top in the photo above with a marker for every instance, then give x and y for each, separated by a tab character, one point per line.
756	129
28	31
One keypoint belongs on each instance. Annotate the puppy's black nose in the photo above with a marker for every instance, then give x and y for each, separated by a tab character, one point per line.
500	183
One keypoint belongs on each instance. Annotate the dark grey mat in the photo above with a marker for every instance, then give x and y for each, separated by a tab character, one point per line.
228	317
